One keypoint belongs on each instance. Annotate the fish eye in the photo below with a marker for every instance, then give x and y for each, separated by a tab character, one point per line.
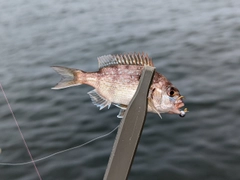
171	93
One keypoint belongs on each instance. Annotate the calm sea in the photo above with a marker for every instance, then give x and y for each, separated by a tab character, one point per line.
194	43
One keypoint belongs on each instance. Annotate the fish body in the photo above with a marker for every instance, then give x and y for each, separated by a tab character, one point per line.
117	80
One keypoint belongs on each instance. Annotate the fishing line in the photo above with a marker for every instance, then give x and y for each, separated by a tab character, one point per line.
60	152
19	129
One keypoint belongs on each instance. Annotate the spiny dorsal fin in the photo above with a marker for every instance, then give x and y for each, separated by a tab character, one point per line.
140	59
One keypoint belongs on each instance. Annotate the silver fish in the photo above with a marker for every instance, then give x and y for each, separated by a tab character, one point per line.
116	82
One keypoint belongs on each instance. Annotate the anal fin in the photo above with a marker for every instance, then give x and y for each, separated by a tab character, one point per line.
98	100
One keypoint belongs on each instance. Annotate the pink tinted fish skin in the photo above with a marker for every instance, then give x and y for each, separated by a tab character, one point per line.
116	82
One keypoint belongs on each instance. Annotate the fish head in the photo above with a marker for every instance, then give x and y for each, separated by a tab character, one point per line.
166	99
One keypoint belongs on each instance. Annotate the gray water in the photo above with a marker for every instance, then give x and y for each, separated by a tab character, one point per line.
194	43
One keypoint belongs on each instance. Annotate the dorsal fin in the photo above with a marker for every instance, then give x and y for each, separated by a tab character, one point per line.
140	59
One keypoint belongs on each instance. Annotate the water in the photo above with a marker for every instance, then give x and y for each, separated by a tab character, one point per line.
195	44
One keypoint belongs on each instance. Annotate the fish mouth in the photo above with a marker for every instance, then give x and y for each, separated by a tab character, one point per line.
179	102
177	105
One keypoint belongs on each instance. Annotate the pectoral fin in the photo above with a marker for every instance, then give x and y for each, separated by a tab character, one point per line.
150	103
98	100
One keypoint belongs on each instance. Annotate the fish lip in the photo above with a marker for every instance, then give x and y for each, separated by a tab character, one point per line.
177	106
179	102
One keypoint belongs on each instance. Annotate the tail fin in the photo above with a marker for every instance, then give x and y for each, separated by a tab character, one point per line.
70	77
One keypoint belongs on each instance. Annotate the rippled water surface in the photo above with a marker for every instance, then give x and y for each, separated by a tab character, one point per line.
194	43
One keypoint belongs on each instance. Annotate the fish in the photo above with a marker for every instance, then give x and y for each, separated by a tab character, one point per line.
117	80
